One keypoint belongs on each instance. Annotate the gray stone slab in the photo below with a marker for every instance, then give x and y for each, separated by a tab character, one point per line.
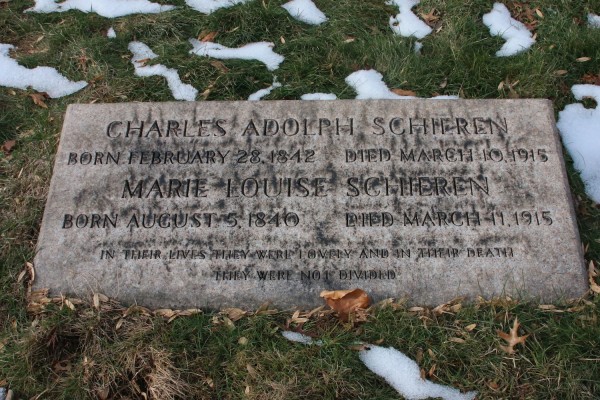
216	204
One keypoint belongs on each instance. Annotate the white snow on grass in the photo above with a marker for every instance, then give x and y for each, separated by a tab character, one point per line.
580	131
406	23
142	53
305	11
318	96
404	375
261	51
42	79
111	34
593	20
297	337
210	6
417	48
105	8
369	84
264	92
517	36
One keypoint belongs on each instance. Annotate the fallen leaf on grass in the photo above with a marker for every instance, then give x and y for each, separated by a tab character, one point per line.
402	92
456	340
431	17
234	314
583	59
207	36
38	99
560	72
220	66
593	274
591	79
469	328
512	338
345	302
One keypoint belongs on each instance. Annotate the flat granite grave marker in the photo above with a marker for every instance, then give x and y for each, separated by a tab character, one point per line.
216	204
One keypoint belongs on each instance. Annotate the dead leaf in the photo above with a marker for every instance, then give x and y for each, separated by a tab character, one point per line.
345	302
512	338
234	314
560	72
593	274
243	341
143	61
164	312
592	80
282	40
207	36
416	309
8	146
583	59
220	66
470	327
402	92
431	17
349	39
456	340
432	370
539	13
38	99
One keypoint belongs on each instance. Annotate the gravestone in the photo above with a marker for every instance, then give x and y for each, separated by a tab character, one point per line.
216	204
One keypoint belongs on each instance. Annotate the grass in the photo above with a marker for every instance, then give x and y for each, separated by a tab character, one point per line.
98	352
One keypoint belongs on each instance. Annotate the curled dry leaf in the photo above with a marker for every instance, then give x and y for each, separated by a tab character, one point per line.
345	302
512	338
402	92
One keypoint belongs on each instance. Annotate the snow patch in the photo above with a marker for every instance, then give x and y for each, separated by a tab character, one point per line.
305	11
105	8
369	84
418	47
111	34
580	131
318	96
42	79
264	92
406	23
593	20
297	337
517	36
210	6
261	51
141	53
404	375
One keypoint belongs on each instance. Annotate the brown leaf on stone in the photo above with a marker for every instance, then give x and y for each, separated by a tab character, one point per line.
207	36
39	99
402	92
345	302
512	338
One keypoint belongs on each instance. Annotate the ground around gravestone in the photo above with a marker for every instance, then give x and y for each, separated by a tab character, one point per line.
70	347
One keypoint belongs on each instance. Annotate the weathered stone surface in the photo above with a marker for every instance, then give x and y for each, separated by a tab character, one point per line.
237	203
